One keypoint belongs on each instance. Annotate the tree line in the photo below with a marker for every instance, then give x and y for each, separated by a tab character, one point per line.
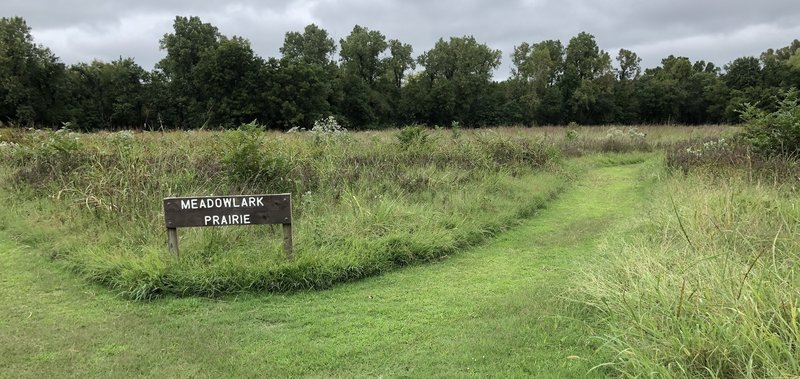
210	80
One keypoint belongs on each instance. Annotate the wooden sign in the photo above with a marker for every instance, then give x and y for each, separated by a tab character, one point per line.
180	212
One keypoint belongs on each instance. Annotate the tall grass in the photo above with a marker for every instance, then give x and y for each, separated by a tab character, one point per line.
364	203
706	284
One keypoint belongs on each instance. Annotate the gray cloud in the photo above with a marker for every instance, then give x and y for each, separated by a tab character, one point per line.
711	30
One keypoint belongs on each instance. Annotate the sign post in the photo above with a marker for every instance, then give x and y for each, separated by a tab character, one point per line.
180	212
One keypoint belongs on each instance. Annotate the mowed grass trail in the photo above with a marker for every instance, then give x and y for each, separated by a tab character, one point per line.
491	311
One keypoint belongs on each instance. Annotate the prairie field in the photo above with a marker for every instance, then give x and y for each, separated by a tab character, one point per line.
549	252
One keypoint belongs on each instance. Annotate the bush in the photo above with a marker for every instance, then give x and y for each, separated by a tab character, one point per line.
774	133
414	135
47	157
250	165
720	157
327	126
503	150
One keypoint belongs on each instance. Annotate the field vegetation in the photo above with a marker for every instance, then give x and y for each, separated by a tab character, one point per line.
564	251
661	250
492	310
705	282
363	203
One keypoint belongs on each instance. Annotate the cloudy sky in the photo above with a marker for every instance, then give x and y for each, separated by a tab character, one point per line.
711	30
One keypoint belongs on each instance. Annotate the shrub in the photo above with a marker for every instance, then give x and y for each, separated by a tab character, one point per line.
455	128
774	133
327	126
414	135
504	151
249	165
49	157
624	140
12	135
719	157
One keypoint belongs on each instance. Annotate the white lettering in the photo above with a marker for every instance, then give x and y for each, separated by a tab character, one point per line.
227	201
194	203
218	203
260	201
186	204
227	220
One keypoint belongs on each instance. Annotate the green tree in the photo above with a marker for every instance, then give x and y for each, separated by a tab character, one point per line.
660	90
629	65
31	77
776	71
361	52
781	67
683	92
536	70
228	81
398	62
626	104
312	46
295	93
396	66
743	73
540	64
185	47
305	84
456	82
745	78
587	81
365	102
107	95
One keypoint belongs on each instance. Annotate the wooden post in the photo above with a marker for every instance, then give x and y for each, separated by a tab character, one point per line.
287	233
287	240
172	236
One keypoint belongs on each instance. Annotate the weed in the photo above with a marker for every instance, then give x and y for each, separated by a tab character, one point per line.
412	136
249	165
363	204
706	284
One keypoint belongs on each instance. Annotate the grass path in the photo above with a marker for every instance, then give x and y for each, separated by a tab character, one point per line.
491	311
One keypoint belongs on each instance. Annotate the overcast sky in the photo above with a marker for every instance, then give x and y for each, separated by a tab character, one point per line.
712	30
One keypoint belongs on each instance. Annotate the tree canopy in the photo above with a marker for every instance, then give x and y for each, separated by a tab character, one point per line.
369	80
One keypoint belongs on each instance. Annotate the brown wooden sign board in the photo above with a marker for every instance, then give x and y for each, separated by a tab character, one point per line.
181	212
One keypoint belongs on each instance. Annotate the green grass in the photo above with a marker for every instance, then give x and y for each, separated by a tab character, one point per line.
522	259
495	310
705	284
364	203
